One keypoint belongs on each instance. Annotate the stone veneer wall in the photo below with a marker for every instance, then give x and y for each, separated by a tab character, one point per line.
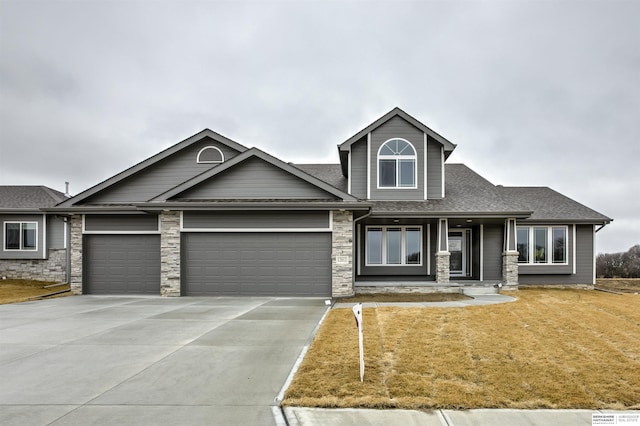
442	267
170	253
75	278
54	268
510	270
342	254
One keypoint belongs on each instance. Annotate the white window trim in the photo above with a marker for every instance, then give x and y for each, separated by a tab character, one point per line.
349	175
413	157
482	251
549	261
210	162
403	244
369	166
4	236
425	166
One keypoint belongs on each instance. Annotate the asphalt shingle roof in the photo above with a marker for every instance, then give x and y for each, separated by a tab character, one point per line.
468	192
29	197
548	204
329	173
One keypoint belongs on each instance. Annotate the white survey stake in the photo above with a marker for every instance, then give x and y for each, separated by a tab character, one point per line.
357	312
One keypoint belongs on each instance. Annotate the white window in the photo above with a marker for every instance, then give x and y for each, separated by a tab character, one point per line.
393	245
397	165
542	244
210	154
21	236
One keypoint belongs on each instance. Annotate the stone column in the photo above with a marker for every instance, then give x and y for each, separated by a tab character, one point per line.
442	267
170	253
342	254
510	256
443	255
510	270
75	254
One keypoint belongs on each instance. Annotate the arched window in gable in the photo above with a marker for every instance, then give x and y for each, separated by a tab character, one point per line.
210	155
397	164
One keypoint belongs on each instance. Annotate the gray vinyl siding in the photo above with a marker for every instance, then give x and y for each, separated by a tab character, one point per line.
493	243
255	179
120	223
359	169
256	220
160	177
584	263
22	254
397	127
434	169
55	232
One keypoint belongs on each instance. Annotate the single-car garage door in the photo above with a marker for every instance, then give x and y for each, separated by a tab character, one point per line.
265	264
121	264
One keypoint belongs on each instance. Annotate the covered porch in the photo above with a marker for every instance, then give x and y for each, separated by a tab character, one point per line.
455	254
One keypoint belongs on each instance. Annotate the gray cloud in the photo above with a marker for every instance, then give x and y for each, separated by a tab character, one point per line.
533	93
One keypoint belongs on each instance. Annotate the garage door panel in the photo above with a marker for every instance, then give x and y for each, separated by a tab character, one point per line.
286	264
122	264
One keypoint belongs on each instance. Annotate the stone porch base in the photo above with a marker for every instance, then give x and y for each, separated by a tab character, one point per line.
409	287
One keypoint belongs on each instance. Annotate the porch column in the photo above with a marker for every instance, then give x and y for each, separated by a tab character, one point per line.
75	254
342	253
170	253
443	255
510	256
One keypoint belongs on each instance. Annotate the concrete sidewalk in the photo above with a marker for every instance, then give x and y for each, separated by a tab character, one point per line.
299	416
477	300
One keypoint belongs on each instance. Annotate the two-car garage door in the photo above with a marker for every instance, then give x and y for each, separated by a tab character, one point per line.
252	263
256	263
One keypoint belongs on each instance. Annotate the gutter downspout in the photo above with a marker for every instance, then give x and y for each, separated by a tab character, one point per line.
601	226
355	233
67	224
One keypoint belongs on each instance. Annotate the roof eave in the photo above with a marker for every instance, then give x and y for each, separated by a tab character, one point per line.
253	205
453	215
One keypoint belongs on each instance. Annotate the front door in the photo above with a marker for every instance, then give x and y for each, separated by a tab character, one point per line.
460	250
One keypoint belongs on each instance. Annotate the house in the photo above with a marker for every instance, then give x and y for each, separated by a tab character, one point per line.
34	244
209	216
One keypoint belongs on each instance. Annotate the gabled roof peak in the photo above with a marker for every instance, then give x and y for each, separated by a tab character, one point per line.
397	111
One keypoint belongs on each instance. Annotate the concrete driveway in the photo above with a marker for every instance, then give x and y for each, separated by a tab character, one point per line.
121	360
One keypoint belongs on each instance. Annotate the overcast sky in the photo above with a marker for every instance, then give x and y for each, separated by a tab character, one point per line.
534	93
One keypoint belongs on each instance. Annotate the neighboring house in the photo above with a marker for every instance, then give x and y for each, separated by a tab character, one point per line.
209	216
33	242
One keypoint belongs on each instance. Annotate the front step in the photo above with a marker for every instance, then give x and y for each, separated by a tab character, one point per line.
479	290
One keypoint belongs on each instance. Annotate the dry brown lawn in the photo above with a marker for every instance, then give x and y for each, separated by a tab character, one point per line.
14	291
549	349
400	297
622	285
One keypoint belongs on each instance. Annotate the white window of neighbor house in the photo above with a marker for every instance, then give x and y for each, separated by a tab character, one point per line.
397	165
21	236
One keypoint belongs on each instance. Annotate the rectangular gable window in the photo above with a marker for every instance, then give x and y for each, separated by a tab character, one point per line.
21	236
388	173
407	173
